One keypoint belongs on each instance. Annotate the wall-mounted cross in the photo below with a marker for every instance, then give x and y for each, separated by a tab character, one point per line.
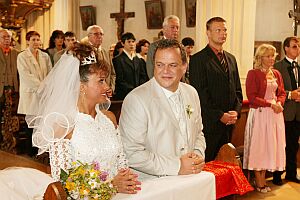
120	17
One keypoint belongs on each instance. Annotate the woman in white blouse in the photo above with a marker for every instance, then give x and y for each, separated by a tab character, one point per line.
33	66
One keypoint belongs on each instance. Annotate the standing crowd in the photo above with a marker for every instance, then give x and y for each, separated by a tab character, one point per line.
178	108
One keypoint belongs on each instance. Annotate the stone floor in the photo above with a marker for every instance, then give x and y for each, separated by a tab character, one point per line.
288	190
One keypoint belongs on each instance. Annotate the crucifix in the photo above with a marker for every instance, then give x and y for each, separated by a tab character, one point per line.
295	13
120	17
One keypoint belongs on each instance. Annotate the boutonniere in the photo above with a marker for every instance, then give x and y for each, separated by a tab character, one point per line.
189	110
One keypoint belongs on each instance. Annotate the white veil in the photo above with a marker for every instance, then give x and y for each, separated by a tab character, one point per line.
57	109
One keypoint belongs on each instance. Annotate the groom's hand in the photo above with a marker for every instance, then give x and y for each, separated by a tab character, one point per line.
190	163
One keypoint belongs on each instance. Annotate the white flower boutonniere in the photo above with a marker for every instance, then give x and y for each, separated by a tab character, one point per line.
189	110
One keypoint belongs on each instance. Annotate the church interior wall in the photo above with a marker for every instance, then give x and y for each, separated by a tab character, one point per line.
272	22
136	25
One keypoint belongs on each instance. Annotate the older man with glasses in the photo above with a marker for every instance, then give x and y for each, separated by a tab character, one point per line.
95	38
171	26
289	69
8	68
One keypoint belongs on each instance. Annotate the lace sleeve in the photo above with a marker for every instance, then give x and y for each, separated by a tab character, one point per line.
122	161
60	154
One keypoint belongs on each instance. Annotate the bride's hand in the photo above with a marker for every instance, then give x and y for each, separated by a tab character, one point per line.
126	182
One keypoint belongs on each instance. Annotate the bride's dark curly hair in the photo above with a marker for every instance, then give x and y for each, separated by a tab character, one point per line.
82	51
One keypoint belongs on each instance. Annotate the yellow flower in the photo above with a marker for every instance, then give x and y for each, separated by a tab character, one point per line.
189	111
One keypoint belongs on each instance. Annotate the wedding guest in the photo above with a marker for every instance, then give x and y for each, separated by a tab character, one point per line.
70	124
70	39
171	26
8	62
214	74
33	66
289	69
188	44
8	70
160	121
95	36
142	49
118	49
56	44
130	69
264	135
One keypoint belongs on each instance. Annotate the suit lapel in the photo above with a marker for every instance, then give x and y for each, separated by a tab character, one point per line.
128	61
35	69
215	61
287	75
186	102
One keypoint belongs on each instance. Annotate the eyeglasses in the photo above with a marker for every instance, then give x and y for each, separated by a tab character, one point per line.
97	34
5	37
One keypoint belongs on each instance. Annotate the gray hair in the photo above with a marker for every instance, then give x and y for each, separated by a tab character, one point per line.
6	30
90	28
169	17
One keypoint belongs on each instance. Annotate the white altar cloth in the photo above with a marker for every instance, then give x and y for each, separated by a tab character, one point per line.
188	187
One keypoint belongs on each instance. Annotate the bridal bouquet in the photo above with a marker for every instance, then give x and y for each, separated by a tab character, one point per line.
87	181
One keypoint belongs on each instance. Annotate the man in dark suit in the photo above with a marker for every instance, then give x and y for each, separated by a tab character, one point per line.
130	69
170	30
214	74
290	72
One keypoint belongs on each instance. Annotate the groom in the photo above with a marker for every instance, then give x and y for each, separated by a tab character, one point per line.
160	122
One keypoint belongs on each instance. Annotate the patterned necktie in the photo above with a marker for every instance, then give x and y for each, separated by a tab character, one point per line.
180	116
6	51
295	72
176	105
223	61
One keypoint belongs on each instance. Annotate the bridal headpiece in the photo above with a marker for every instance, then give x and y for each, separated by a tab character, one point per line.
55	115
91	59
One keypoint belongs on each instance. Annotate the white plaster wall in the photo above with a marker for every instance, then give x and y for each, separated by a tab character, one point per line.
136	25
272	21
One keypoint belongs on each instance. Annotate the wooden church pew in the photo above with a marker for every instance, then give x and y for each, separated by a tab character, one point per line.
55	190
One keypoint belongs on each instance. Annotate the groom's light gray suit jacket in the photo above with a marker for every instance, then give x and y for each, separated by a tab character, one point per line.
150	132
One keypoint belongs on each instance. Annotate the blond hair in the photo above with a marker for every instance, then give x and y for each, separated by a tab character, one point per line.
263	50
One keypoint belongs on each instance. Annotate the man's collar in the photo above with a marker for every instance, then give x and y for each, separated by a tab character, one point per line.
98	48
168	93
216	51
290	60
129	56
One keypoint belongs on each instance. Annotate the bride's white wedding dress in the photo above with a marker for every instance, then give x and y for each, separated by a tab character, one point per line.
92	140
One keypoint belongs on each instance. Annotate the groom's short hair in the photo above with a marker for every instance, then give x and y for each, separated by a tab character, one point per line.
171	43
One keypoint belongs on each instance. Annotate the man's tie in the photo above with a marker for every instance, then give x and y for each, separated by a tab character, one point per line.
6	51
223	61
176	105
180	115
294	75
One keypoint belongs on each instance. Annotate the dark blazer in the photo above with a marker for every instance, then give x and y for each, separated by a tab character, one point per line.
291	108
9	62
129	74
150	59
219	91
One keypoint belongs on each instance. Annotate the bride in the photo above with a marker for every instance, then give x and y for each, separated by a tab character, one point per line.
70	124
